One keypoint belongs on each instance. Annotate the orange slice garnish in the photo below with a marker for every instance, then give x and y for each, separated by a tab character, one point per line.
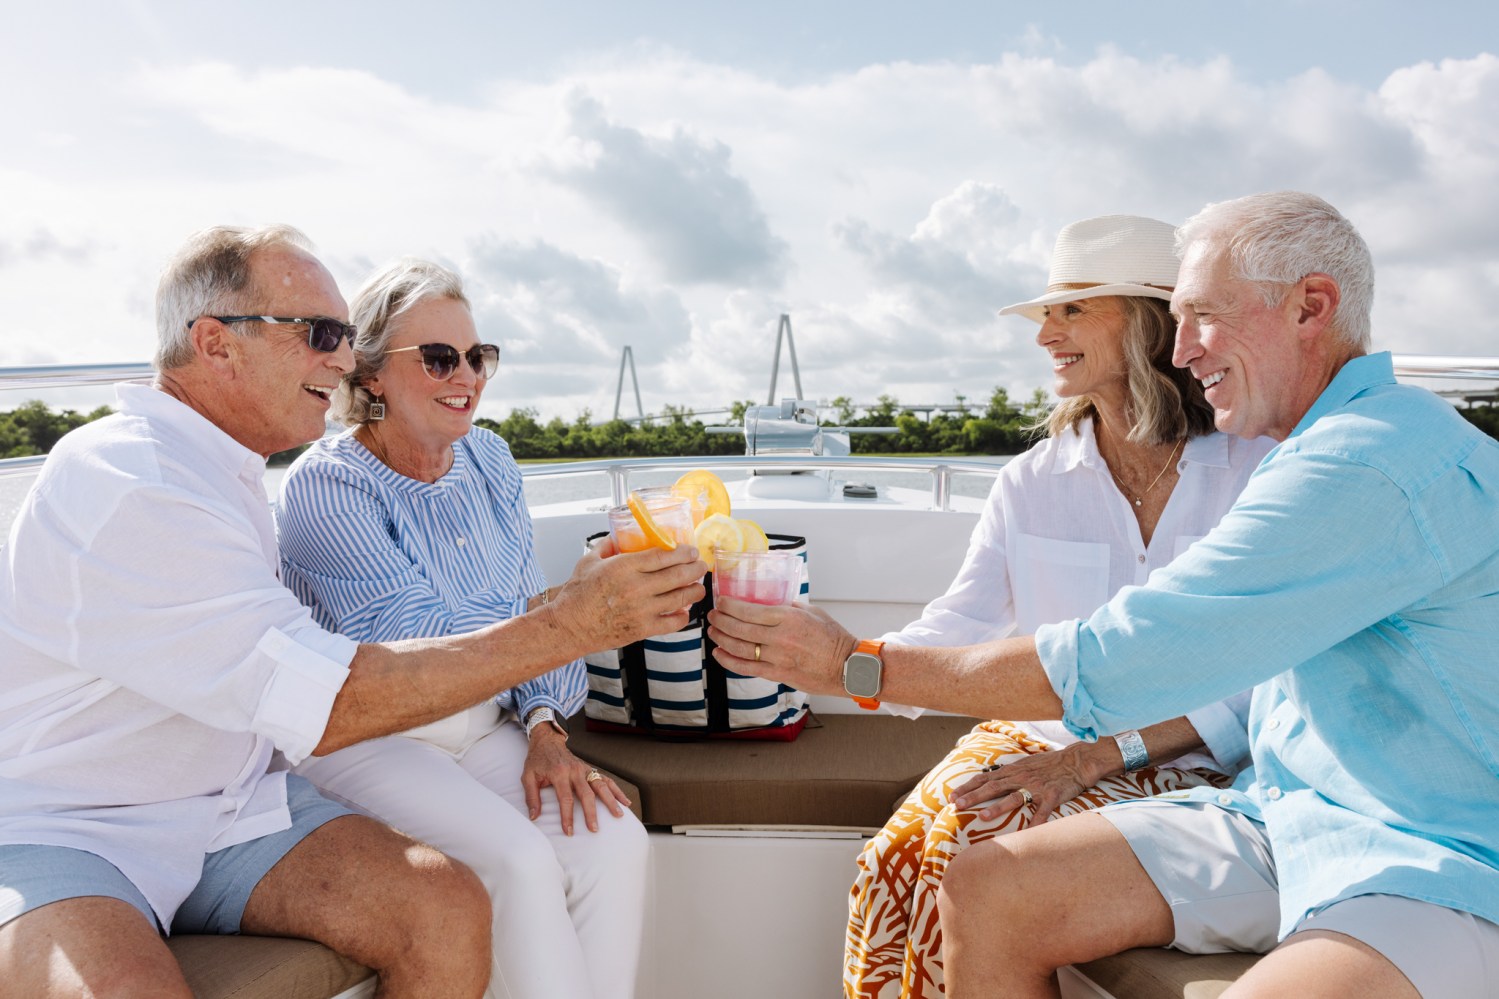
648	525
699	481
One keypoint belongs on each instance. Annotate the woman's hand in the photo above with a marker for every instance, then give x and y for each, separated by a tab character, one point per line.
1050	778
549	763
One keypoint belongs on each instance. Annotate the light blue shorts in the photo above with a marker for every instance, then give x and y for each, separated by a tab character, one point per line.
34	876
1214	867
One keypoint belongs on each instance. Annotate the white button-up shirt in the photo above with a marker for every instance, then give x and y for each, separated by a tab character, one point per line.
152	660
1057	539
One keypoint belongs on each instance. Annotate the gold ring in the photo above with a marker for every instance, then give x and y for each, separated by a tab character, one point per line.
757	653
594	775
1025	796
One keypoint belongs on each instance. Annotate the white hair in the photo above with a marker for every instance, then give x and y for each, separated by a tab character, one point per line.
1275	240
209	276
378	305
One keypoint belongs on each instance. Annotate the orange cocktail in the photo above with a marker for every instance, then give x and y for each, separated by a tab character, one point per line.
670	524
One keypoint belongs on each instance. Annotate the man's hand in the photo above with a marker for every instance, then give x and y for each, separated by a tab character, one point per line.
613	601
798	645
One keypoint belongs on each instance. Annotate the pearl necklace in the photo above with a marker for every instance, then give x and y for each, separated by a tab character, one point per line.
1138	500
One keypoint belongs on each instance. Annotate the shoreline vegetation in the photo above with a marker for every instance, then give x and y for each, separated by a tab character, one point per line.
999	427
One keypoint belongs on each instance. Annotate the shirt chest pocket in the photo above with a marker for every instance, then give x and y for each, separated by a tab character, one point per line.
1057	580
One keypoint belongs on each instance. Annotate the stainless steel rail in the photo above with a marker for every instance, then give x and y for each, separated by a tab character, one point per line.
52	376
72	375
619	469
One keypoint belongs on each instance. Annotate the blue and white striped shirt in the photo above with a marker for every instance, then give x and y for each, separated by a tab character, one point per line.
379	556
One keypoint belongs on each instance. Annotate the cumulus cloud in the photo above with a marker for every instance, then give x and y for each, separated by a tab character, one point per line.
43	245
959	263
889	210
677	192
563	320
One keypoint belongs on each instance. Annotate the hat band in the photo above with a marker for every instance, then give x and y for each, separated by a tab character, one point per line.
1084	285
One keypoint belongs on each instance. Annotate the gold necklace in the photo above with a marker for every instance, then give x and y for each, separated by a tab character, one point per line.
1146	492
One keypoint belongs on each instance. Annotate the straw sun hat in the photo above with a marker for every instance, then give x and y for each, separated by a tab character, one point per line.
1111	255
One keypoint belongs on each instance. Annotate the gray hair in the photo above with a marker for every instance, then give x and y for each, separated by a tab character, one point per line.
1275	240
1165	402
210	275
378	306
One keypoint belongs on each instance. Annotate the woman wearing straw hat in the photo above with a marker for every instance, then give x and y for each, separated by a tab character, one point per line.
1130	474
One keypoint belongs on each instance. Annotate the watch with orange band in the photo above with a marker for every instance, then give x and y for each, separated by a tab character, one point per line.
864	673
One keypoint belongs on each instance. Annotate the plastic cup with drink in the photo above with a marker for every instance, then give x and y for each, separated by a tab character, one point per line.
758	577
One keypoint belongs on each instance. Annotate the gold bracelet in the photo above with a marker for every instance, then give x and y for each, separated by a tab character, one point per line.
545	596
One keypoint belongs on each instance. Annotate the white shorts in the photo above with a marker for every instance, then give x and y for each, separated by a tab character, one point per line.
1214	869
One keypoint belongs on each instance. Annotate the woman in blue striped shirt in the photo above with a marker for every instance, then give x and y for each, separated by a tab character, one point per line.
413	524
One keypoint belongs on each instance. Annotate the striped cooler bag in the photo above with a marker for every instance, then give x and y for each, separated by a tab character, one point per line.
671	687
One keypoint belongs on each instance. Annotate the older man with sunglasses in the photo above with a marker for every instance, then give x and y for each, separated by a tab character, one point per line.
155	666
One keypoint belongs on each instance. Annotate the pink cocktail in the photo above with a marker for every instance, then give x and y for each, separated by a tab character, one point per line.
758	577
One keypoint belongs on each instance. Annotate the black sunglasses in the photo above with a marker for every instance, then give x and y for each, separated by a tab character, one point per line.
440	360
323	332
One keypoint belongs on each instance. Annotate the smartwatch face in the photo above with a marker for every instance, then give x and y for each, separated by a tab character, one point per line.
861	675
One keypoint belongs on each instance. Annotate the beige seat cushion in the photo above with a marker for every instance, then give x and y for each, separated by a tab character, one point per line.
843	770
247	967
1157	973
263	968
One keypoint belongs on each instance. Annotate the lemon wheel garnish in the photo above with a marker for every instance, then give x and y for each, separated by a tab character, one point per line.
754	538
648	525
698	481
717	532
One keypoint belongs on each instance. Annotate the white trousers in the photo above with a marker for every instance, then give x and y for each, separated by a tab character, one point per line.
568	910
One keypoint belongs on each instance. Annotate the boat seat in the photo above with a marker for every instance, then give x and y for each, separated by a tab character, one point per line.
250	967
843	770
263	968
1157	973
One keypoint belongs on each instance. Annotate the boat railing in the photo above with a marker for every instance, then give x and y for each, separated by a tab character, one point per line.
940	470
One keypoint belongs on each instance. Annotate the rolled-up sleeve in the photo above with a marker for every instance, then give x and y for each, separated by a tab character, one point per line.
1273	585
306	675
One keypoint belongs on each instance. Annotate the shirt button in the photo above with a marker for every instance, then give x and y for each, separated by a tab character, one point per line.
461	542
1273	724
1224	799
1140	559
1273	794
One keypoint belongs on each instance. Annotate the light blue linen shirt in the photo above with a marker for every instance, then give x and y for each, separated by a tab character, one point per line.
1356	584
379	556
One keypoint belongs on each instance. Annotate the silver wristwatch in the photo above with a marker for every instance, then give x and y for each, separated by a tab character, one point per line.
544	716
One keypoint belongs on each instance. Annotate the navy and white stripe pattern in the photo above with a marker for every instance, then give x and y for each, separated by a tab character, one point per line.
677	686
379	556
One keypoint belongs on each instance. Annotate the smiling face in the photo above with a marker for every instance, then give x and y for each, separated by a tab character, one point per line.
426	414
283	397
1086	342
1247	355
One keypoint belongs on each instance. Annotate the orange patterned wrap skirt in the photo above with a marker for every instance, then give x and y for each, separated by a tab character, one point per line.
894	942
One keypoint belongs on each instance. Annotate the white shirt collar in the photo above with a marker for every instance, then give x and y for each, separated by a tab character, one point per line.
152	404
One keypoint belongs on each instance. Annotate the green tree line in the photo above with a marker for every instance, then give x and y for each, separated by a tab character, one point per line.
1001	426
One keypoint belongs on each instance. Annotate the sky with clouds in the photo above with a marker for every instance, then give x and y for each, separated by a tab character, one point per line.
674	177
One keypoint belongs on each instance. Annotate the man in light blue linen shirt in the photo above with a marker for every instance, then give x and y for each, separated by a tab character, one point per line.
1355	582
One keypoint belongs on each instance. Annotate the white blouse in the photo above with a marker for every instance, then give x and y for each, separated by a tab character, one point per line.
1057	539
